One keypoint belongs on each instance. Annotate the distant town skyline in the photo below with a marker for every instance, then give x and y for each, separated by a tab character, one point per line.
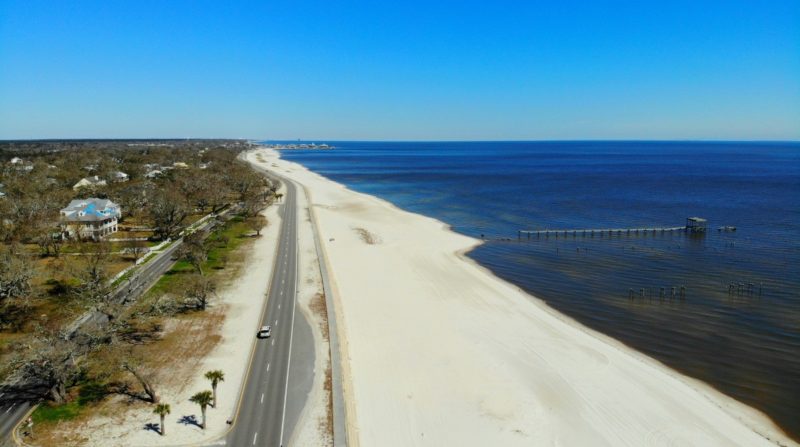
314	70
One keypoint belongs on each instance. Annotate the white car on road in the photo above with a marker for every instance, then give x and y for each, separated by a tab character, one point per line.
264	332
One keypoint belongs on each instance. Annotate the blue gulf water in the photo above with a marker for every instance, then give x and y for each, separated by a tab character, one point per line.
746	344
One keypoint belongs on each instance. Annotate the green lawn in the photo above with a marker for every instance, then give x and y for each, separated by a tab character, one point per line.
89	393
223	241
53	413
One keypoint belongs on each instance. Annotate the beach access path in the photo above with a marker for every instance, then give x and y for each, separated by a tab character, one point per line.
436	350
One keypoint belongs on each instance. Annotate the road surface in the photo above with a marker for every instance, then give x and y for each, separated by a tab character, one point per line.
12	409
270	403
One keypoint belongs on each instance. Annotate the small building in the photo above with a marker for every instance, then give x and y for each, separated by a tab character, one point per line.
155	173
180	165
119	177
88	182
696	224
21	165
90	218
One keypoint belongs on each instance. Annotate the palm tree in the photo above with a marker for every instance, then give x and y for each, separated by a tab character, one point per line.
215	377
162	410
203	398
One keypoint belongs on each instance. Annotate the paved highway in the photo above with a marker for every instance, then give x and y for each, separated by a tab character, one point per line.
261	418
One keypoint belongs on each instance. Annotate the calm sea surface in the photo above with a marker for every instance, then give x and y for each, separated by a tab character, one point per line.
745	344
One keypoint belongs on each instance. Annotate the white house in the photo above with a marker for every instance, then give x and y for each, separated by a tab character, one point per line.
89	181
21	165
90	218
119	176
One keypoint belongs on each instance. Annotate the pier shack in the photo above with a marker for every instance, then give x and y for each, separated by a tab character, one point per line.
696	225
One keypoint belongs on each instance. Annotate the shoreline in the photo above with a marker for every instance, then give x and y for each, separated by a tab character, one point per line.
753	419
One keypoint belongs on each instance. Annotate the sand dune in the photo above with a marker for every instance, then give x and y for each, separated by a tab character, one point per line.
443	353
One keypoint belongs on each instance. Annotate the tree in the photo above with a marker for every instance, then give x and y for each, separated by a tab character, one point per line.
194	251
49	240
257	223
253	204
162	410
216	376
137	248
134	198
52	362
218	195
203	398
199	290
133	366
16	273
93	276
167	212
244	180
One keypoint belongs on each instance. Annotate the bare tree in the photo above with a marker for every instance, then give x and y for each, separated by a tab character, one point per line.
167	212
53	362
243	181
194	250
199	290
133	365
137	248
93	276
16	273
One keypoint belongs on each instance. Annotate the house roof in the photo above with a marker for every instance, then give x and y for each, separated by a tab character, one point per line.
90	210
93	180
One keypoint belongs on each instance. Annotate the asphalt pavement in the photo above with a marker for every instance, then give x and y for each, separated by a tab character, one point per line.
280	372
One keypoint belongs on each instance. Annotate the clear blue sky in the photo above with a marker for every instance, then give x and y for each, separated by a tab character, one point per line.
454	70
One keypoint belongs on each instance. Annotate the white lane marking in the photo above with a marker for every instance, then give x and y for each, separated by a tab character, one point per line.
276	322
273	342
279	306
255	436
12	406
291	339
267	367
262	398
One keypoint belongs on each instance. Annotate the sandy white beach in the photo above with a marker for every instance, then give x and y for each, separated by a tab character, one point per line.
441	352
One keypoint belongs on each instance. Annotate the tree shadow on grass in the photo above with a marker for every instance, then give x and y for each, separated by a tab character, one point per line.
189	420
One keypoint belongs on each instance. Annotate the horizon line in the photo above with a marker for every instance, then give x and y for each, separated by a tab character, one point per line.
554	140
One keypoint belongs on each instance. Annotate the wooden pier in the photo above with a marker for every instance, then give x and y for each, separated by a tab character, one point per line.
693	225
